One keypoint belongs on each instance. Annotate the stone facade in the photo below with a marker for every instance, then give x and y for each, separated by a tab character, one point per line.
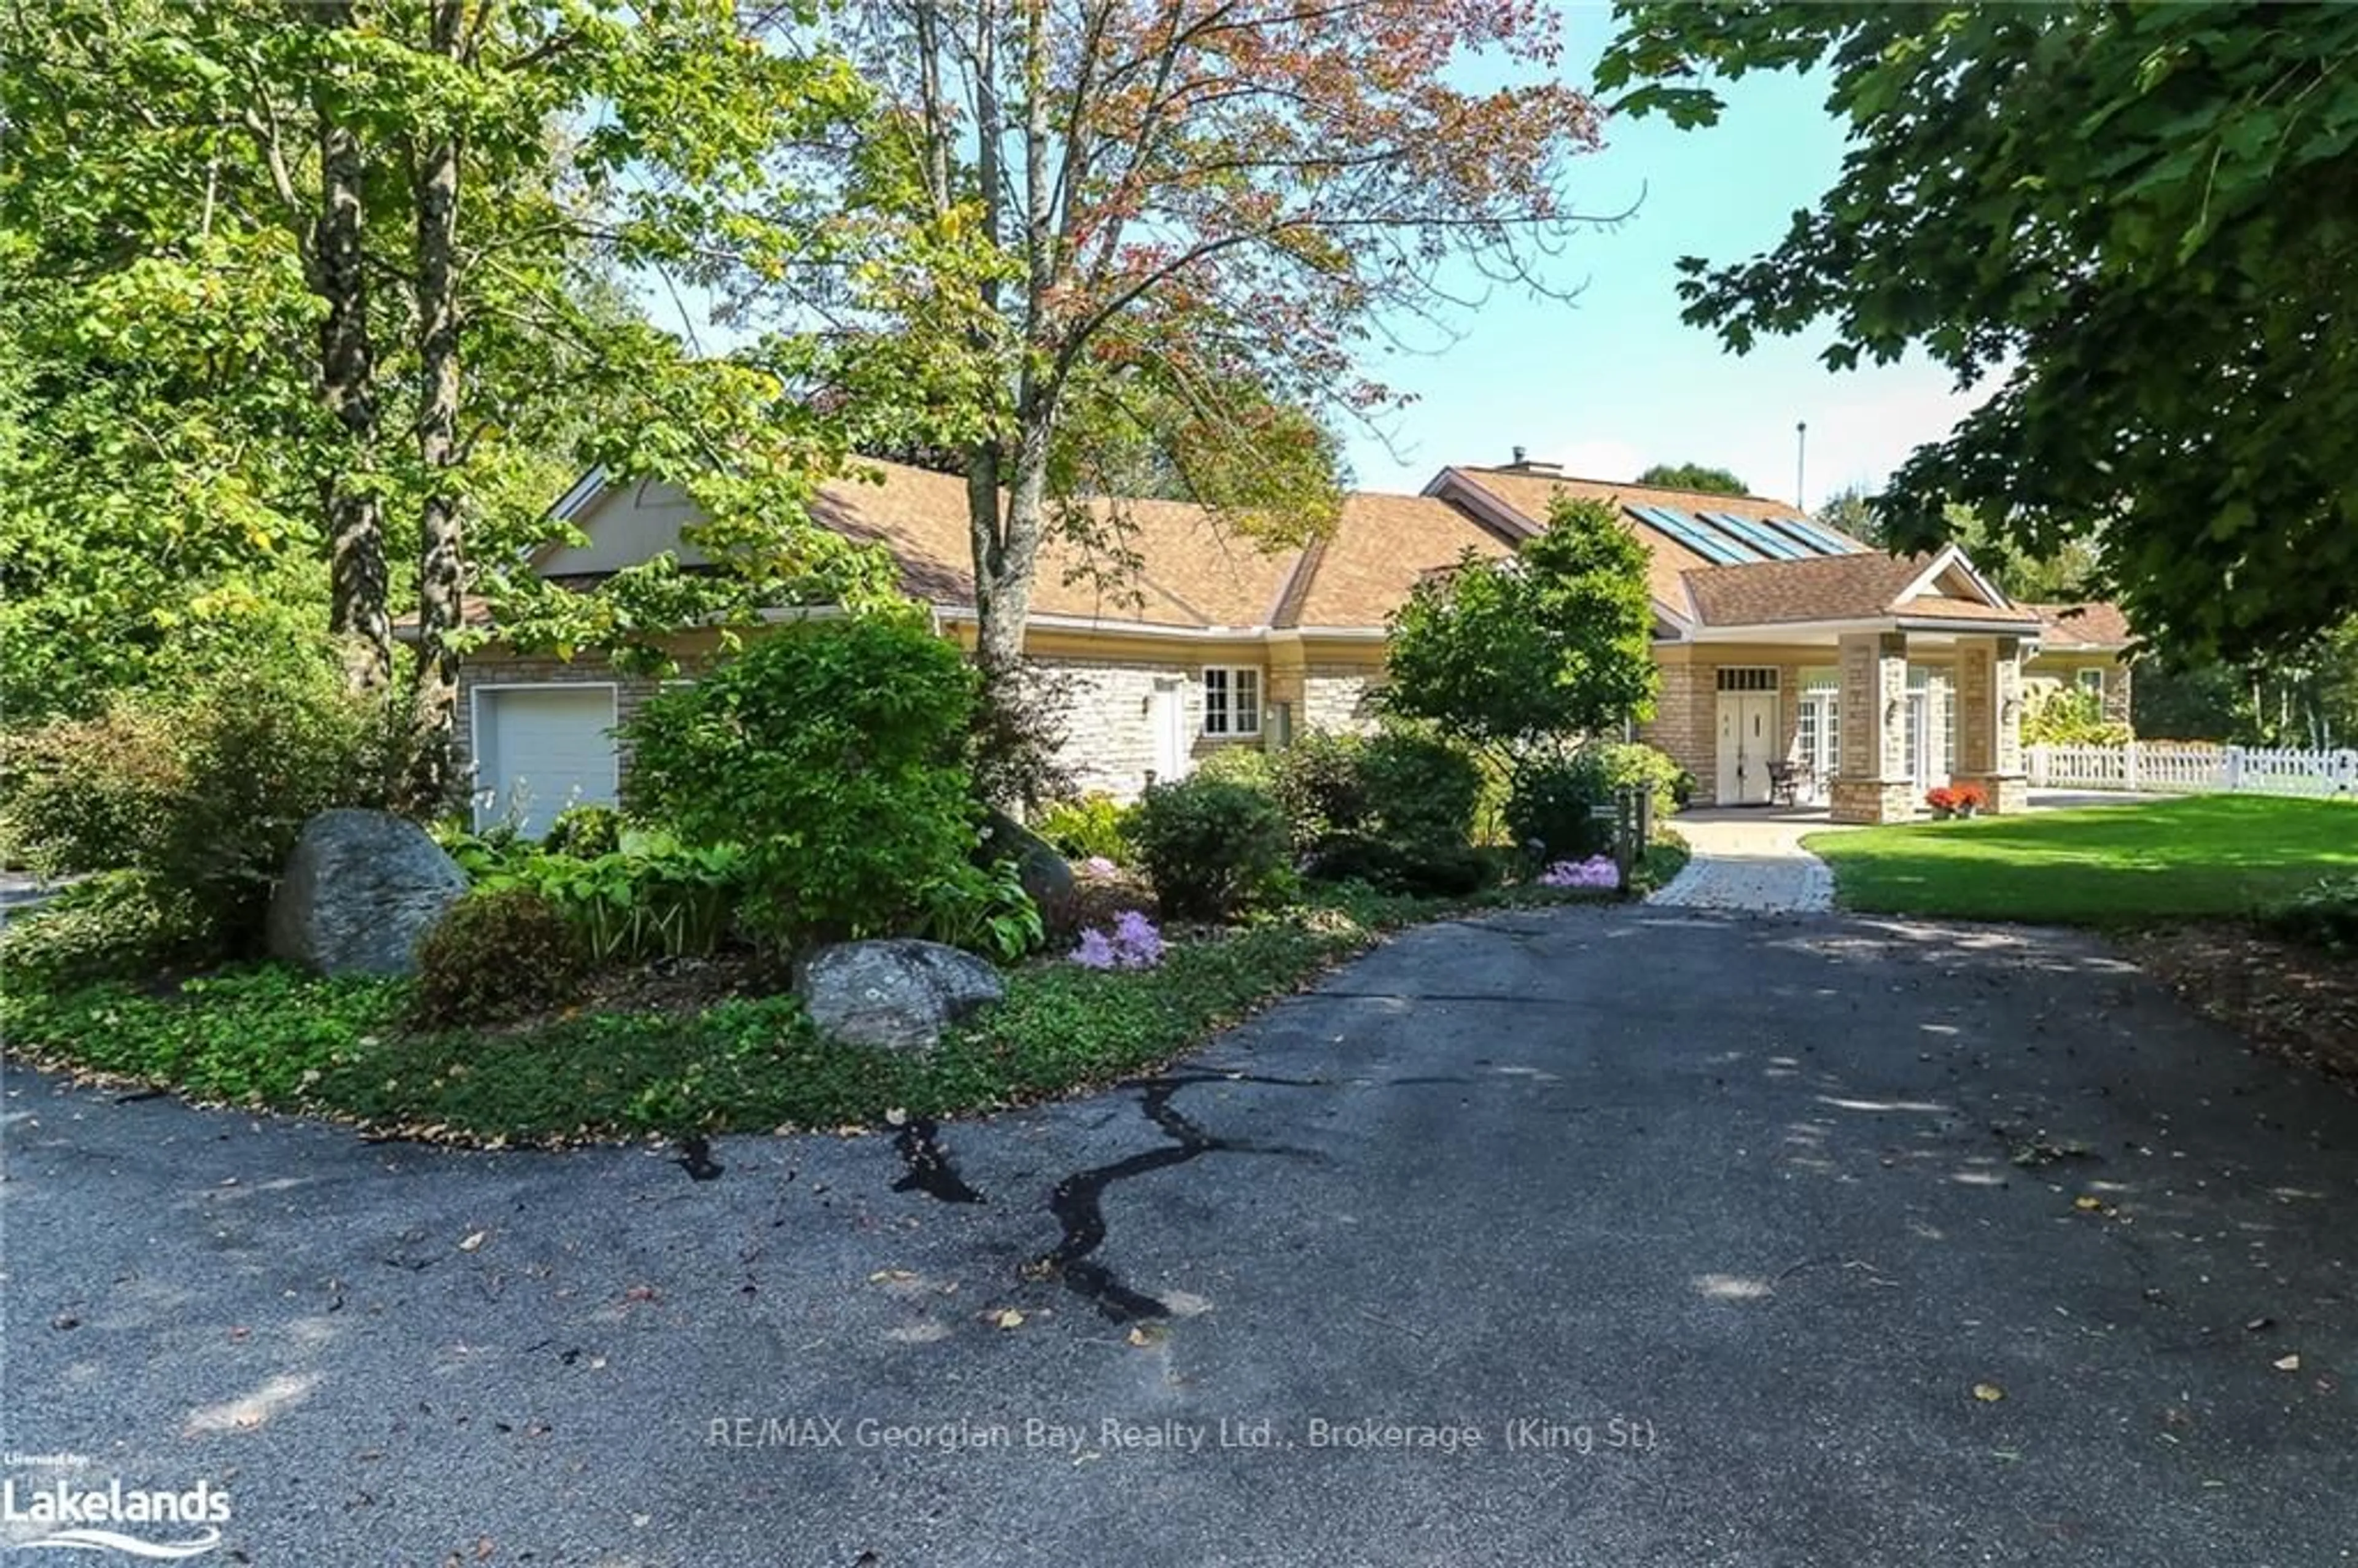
1340	697
1110	715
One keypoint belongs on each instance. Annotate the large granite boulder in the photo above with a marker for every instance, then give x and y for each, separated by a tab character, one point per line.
358	891
895	995
1048	875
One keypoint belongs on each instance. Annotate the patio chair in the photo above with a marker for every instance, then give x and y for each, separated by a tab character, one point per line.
1787	783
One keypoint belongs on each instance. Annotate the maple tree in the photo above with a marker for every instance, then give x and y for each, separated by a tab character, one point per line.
2134	221
1089	224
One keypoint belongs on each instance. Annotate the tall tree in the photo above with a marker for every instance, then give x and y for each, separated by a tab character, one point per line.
2136	218
1086	211
245	241
1695	476
1551	643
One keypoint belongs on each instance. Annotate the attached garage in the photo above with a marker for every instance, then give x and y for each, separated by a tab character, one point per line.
539	749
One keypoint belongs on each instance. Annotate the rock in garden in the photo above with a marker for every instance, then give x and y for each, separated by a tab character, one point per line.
1048	875
895	995
358	891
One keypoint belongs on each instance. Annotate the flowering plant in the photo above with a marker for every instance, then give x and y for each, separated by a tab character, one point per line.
1133	944
1969	798
1942	800
1598	871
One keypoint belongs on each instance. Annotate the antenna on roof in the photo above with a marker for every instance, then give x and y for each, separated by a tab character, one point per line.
1519	456
1800	453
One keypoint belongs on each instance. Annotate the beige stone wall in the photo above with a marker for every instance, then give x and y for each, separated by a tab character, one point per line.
1108	721
1337	698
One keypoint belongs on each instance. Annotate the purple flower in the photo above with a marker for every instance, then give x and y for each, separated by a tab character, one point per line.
1134	943
1598	871
1138	944
1098	866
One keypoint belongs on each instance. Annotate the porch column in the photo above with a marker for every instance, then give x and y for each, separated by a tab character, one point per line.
1989	721
1871	783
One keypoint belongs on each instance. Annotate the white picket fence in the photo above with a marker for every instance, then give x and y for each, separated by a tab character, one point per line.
2175	769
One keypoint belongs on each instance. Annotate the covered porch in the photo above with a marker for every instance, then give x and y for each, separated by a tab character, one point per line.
1854	683
1848	726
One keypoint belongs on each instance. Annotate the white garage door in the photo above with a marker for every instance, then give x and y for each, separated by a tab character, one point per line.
541	748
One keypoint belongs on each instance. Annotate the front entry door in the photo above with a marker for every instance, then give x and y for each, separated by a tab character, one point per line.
1167	721
1748	744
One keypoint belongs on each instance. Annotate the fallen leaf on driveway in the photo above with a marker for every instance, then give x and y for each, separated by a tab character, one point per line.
474	1241
1989	1393
1008	1318
2085	1203
2288	1364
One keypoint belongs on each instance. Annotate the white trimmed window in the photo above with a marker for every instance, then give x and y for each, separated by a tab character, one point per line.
1231	700
2091	680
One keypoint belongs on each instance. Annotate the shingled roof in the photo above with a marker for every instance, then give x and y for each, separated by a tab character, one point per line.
2093	624
1170	566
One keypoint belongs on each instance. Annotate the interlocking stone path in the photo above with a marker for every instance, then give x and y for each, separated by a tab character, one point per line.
1751	859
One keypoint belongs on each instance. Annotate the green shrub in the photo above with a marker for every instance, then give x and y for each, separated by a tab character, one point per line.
1092	825
497	953
2067	716
1554	798
1421	868
204	792
2325	916
1243	764
1317	782
651	897
117	925
91	795
585	832
1420	788
1210	847
833	751
984	911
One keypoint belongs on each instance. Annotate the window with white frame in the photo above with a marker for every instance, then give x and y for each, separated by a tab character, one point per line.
1231	700
2091	680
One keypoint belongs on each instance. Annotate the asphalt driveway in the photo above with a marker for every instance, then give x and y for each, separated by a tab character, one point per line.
1633	1237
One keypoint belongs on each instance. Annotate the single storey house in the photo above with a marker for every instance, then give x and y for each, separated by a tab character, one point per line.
1796	661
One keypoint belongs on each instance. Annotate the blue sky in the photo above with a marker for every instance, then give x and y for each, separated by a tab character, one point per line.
1614	380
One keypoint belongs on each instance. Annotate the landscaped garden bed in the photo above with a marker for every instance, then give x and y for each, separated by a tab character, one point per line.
808	809
270	1037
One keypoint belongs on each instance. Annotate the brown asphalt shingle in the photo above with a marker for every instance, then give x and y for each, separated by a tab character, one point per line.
2095	624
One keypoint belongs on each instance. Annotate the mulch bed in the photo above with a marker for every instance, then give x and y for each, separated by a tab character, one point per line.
684	985
2297	1002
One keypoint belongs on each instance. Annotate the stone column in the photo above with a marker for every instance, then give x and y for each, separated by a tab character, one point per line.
1989	721
1871	783
1286	682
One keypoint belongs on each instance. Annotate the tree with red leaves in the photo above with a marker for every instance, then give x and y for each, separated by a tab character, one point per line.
1080	225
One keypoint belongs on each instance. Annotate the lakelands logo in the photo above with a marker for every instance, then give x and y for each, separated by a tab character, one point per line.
89	1518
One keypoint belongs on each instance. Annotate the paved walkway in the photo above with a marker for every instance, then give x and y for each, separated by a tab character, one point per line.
1752	859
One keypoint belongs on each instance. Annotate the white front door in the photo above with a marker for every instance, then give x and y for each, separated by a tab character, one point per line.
1166	720
1748	744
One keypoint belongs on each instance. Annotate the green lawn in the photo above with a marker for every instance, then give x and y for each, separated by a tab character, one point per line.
2105	865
